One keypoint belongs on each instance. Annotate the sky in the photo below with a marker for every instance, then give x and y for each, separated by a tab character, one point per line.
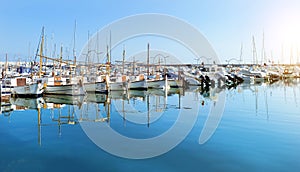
226	24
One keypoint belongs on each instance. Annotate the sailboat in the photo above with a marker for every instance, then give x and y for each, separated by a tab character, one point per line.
20	86
26	87
158	82
58	85
137	82
96	87
118	83
23	86
94	82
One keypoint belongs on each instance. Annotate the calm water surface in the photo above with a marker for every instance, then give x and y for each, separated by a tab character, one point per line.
259	131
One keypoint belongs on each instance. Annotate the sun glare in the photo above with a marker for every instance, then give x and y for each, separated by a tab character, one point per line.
290	29
285	39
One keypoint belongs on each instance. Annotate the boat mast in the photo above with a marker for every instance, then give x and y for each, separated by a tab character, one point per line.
74	43
110	45
123	61
272	58
254	51
97	48
148	57
108	55
263	49
241	53
60	60
41	54
87	59
108	61
133	70
46	50
5	67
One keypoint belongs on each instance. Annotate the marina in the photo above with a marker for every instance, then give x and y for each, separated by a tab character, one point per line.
149	86
59	111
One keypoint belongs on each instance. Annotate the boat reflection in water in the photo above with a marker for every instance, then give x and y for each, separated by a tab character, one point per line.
64	99
134	106
258	121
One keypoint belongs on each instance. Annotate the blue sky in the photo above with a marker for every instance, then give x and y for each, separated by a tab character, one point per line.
225	23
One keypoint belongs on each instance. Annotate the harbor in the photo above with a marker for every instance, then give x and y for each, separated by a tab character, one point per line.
149	86
61	78
64	111
47	109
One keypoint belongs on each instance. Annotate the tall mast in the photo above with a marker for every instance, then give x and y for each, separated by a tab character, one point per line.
87	60
272	58
241	53
110	45
108	61
133	70
148	58
46	49
123	61
5	67
97	48
254	51
74	43
263	49
41	54
60	61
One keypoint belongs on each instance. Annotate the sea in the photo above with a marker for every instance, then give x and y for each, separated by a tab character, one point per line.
248	127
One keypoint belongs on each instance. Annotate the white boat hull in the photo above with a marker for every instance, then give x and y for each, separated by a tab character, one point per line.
70	89
31	90
158	84
174	83
256	79
137	85
97	87
118	86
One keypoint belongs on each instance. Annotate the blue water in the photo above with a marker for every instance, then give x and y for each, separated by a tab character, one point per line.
259	131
